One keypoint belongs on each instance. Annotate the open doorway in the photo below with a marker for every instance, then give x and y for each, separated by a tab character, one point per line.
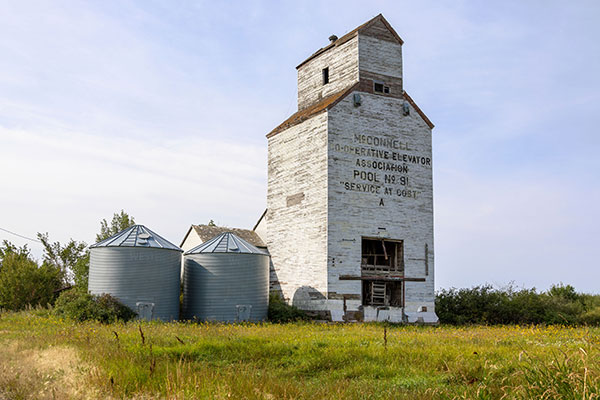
382	293
382	261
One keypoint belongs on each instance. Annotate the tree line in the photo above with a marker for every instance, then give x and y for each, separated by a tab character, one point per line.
25	282
484	304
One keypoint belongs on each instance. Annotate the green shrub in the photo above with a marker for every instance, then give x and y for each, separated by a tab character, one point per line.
487	305
590	301
280	311
82	306
591	317
24	283
480	304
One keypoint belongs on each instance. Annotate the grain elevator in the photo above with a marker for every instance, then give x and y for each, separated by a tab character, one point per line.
349	221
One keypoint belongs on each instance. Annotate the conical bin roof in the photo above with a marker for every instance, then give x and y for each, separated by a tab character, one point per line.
226	243
137	236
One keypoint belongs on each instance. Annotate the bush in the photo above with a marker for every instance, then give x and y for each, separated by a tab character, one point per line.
82	306
480	304
591	317
280	311
487	305
23	282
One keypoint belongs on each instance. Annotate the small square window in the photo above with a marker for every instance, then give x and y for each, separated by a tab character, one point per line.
379	87
325	76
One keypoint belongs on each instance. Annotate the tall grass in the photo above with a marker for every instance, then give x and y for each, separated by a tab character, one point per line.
307	361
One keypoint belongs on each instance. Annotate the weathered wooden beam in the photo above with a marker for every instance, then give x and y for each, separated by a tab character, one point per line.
379	278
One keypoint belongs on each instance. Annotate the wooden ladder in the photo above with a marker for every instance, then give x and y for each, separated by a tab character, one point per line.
378	293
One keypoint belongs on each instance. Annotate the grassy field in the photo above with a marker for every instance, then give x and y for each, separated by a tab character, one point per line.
45	357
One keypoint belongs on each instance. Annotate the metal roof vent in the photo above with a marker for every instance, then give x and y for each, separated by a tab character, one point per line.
143	238
333	38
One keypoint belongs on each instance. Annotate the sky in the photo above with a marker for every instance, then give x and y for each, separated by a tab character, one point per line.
161	108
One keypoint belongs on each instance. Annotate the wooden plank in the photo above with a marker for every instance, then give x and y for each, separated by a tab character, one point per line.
379	278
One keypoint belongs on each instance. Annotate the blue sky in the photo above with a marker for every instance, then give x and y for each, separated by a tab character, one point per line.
161	108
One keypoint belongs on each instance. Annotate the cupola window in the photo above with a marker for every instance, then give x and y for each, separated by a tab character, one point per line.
379	87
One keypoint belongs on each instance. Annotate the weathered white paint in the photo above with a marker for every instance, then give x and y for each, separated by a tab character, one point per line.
343	72
297	234
380	56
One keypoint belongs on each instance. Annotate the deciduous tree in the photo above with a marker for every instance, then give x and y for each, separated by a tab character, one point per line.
71	259
119	222
23	282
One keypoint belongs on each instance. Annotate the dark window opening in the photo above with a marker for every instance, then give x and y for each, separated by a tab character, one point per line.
325	76
384	294
382	257
380	87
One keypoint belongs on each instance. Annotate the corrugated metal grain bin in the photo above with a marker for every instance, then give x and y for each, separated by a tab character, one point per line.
226	279
141	269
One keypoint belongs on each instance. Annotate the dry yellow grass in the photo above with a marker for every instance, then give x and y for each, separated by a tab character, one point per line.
44	373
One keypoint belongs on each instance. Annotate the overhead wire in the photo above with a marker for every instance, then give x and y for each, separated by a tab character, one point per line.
21	236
